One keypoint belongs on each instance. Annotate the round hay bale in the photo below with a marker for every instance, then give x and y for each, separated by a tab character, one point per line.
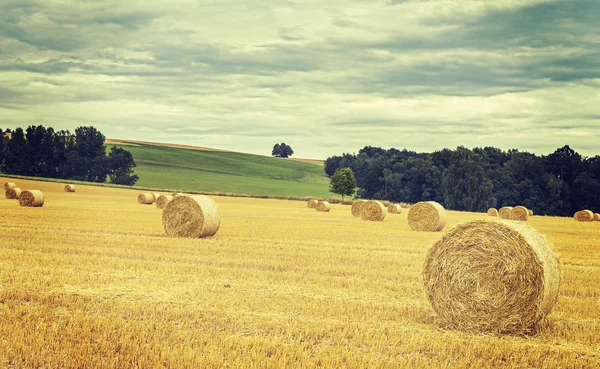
191	216
596	217
356	206
12	193
584	216
427	216
386	203
504	212
312	203
530	212
373	210
156	195
8	185
32	198
520	213
70	188
146	198
394	209
163	200
323	206
492	212
492	276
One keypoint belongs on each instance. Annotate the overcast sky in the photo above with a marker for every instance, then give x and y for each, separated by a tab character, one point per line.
324	76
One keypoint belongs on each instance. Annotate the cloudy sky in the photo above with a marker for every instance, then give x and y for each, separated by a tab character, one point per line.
324	76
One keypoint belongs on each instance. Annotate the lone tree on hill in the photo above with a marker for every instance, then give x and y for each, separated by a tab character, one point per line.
282	150
343	182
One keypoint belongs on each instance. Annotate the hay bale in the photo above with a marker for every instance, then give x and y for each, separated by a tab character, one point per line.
323	206
356	206
312	203
163	200
504	212
191	216
530	212
146	198
427	216
520	213
492	212
373	210
70	188
394	209
31	198
584	216
492	276
386	203
596	217
156	195
12	193
8	185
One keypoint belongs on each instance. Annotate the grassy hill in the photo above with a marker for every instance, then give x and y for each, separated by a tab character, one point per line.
187	169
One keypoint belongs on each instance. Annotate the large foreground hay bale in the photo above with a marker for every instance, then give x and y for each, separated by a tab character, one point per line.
394	209
492	212
492	276
520	213
70	188
146	198
312	203
356	206
427	216
596	217
32	198
504	212
373	210
163	200
584	216
191	216
323	206
12	193
8	185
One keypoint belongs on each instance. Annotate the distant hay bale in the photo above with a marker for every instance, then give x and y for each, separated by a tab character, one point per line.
596	217
584	216
12	193
428	216
530	212
492	212
163	200
191	216
520	213
8	185
146	198
70	188
323	206
504	212
492	276
373	210
155	195
31	198
394	209
356	206
386	203
312	203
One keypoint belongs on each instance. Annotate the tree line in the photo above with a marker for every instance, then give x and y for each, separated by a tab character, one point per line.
44	152
560	183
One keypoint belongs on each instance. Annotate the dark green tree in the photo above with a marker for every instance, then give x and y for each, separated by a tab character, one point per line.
89	158
343	182
465	185
120	166
282	150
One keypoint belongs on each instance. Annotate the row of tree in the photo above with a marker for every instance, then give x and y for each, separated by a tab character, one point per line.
474	180
44	152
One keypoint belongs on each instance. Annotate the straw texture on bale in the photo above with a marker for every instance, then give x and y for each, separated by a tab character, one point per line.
323	206
584	216
156	195
504	212
356	206
520	213
394	209
191	216
492	212
70	188
146	198
32	198
530	212
312	203
596	217
163	200
373	210
8	185
492	276
427	216
12	193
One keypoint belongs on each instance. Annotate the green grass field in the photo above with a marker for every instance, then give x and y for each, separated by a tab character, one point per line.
214	171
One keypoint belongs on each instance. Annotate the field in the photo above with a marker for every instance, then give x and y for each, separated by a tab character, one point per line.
90	280
203	169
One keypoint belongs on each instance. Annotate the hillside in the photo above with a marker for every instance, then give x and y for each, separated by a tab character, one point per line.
189	168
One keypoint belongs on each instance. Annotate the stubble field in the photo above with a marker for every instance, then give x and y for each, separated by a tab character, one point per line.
90	280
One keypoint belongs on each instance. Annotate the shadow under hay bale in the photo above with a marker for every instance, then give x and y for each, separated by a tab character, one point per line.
32	198
191	216
373	210
428	216
323	206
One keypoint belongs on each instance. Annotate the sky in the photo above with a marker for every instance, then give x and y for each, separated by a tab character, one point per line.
324	76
